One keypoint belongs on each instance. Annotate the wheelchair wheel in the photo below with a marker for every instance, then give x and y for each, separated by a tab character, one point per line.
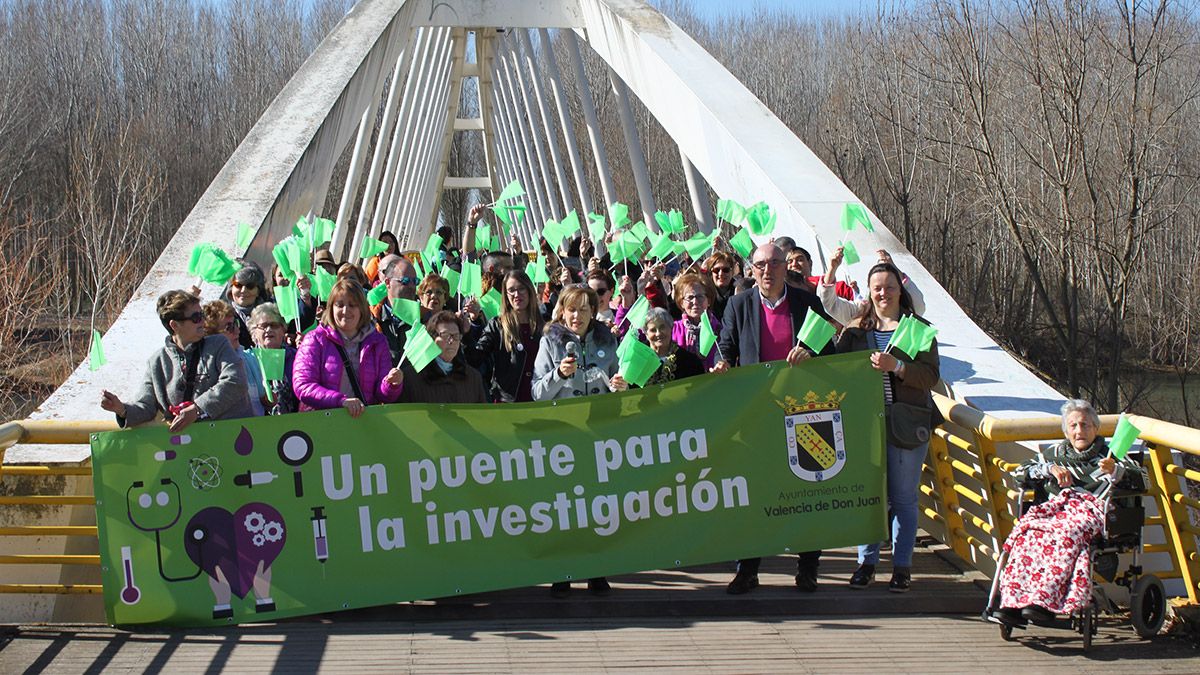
1148	605
1087	625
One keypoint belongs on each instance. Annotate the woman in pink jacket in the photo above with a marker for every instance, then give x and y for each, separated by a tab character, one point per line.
345	337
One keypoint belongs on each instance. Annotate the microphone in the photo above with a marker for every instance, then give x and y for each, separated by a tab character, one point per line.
572	350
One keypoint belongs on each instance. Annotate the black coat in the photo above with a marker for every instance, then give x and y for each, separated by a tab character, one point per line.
486	352
741	325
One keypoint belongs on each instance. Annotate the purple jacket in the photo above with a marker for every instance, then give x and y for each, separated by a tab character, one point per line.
317	375
679	335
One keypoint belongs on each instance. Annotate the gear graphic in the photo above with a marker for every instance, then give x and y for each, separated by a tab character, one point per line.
259	540
273	531
254	522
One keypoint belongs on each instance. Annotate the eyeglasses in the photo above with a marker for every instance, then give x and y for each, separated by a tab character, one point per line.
229	327
449	337
264	327
694	298
404	281
194	317
435	293
519	290
762	265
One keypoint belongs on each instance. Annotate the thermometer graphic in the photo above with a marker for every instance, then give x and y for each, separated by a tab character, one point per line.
131	594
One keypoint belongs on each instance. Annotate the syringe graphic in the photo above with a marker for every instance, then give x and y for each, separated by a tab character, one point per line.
320	542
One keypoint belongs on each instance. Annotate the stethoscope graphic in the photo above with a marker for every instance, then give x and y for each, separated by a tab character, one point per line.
130	594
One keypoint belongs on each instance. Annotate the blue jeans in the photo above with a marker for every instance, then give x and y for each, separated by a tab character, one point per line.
903	479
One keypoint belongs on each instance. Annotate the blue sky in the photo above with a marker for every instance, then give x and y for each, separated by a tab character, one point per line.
817	7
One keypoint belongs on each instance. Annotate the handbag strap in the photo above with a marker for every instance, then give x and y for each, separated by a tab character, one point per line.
353	375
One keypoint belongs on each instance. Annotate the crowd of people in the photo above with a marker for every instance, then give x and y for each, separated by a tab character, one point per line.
551	340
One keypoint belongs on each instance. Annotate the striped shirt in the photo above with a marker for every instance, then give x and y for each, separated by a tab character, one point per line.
882	337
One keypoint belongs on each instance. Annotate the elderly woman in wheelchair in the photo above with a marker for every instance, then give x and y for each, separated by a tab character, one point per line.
1068	530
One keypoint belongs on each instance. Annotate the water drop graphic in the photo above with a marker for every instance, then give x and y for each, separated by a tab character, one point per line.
244	443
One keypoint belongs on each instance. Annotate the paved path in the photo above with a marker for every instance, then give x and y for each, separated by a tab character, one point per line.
674	620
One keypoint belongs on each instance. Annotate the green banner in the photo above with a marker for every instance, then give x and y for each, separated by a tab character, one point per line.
253	520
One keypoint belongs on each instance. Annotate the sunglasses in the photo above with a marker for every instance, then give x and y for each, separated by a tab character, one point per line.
229	327
404	281
721	270
238	284
194	317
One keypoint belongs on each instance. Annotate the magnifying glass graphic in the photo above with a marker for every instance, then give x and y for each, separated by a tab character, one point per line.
296	448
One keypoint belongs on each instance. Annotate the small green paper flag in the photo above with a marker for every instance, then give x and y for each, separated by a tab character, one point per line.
1123	437
640	231
626	247
570	224
854	215
377	295
284	259
815	332
244	236
483	237
637	314
708	338
537	271
430	252
698	245
298	254
419	348
595	226
912	336
272	362
322	231
303	231
490	304
619	215
408	311
742	243
661	246
371	246
760	219
212	264
286	300
470	282
323	283
553	233
510	191
96	352
849	253
638	363
452	278
675	221
731	212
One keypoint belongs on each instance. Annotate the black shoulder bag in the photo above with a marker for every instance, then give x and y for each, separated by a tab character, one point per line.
353	373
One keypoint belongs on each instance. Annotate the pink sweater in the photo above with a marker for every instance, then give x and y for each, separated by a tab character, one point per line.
775	338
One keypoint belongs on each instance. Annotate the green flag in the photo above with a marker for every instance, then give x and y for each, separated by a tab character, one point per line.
640	230
731	212
670	222
430	252
284	259
698	245
661	246
570	224
854	215
322	231
595	226
470	282
419	348
849	253
760	219
536	270
272	362
815	332
553	233
742	243
619	215
912	336
510	191
96	352
638	363
637	313
707	337
420	266
1123	437
371	246
483	237
212	264
377	295
408	311
299	255
452	278
490	303
303	231
323	282
625	247
288	303
244	236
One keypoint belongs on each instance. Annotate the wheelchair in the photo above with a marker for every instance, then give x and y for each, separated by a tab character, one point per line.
1122	534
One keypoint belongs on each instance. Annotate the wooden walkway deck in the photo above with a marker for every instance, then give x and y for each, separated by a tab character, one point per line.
677	620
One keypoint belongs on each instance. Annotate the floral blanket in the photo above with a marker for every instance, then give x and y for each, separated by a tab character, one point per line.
1048	562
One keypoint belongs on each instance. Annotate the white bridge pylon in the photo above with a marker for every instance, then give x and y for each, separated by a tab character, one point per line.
384	90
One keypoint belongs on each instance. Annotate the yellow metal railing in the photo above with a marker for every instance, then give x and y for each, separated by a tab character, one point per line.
968	494
51	433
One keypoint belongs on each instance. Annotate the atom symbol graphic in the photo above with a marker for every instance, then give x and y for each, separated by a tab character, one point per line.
205	472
